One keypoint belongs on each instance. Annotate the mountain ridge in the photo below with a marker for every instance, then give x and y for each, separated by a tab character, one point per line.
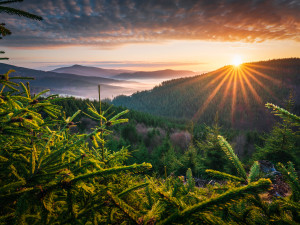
70	84
123	74
89	71
238	94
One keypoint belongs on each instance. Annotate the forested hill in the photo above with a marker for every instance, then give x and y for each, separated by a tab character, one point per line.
238	94
71	84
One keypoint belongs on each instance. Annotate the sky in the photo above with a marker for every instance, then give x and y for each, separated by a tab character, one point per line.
148	35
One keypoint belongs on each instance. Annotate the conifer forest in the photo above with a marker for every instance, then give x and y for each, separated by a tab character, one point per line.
175	154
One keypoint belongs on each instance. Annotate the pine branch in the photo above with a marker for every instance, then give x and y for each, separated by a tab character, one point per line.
128	190
237	193
223	175
232	157
130	212
284	114
171	200
12	186
114	170
290	205
15	195
149	198
254	172
9	1
190	180
12	11
4	31
291	176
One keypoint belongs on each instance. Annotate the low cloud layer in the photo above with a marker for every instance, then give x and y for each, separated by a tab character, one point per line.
120	64
110	23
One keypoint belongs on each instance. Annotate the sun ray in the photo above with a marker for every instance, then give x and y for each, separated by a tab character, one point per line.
274	80
260	84
244	92
259	66
221	105
233	96
219	73
252	89
208	100
218	77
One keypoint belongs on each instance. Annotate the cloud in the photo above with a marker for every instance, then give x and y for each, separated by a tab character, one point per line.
110	23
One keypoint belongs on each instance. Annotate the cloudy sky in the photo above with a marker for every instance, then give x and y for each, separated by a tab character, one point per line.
152	34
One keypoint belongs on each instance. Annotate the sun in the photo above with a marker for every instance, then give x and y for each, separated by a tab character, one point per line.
237	60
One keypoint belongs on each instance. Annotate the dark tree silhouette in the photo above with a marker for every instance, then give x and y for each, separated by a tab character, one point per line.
12	11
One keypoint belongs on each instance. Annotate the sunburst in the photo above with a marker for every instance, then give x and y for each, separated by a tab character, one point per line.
237	60
238	79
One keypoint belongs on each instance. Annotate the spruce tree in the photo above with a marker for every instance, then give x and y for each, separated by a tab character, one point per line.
49	175
212	155
282	144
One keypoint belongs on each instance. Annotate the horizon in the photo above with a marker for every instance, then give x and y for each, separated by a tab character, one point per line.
52	68
147	36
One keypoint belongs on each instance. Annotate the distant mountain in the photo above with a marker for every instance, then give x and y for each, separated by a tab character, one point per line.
159	74
70	84
124	74
90	71
238	94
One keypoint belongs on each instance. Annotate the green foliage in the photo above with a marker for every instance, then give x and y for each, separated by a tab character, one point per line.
282	144
189	160
129	133
190	180
232	157
195	98
291	175
254	172
223	175
284	114
255	187
50	174
54	176
212	155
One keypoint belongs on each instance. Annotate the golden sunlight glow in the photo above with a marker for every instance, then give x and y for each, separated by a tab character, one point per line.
244	81
237	60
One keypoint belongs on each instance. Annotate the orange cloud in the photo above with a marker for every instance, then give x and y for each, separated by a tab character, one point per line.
109	23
